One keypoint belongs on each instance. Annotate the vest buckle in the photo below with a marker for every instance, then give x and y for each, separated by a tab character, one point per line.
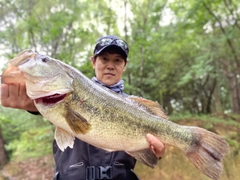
90	173
105	172
99	172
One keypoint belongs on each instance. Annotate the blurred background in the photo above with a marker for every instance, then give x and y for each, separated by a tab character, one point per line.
184	54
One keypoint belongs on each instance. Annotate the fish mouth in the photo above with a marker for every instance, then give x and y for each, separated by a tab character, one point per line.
50	100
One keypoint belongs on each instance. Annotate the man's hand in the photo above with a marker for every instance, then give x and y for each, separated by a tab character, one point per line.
157	146
15	96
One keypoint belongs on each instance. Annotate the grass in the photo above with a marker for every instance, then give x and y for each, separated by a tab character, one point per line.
175	166
233	120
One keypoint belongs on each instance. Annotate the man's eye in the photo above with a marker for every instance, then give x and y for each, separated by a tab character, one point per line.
118	60
104	59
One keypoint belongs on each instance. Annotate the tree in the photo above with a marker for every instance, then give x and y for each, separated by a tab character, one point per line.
3	154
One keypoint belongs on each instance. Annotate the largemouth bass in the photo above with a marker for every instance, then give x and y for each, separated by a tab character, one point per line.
80	108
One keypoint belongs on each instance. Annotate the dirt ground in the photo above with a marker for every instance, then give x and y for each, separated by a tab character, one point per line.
31	169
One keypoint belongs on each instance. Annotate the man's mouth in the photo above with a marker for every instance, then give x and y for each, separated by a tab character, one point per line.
109	74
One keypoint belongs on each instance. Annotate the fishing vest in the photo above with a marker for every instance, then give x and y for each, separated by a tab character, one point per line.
86	162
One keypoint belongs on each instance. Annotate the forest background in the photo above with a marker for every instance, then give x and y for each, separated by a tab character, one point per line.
183	54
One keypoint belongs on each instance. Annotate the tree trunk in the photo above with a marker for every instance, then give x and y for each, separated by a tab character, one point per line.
3	155
235	94
233	86
167	105
210	96
217	103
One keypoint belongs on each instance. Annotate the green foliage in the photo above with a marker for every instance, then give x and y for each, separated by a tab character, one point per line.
228	120
32	143
233	141
23	132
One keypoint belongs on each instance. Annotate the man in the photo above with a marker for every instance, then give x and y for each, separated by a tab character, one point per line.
85	161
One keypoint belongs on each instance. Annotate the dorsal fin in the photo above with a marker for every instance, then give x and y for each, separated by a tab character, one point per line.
153	107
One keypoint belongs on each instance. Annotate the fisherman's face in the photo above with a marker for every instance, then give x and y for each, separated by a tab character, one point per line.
109	68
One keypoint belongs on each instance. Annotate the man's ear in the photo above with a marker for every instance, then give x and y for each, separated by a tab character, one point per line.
125	66
93	60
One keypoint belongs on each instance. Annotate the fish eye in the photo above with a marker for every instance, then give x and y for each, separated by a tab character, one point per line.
45	59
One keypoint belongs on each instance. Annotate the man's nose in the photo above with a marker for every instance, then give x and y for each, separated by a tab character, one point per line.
110	65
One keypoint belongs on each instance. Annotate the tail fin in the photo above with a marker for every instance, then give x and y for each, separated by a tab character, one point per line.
207	153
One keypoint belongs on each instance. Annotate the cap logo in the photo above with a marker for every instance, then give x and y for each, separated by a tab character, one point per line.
104	42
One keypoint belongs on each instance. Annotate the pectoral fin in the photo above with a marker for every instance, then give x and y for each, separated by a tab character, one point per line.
152	106
146	156
63	139
76	121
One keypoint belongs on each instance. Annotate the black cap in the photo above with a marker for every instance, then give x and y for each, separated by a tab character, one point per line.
110	40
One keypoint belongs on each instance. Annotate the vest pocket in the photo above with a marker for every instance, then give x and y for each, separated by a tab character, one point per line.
123	173
119	171
77	165
76	171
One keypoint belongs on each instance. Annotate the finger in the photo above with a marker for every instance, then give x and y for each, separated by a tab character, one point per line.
157	146
4	95
23	91
154	141
4	91
13	90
